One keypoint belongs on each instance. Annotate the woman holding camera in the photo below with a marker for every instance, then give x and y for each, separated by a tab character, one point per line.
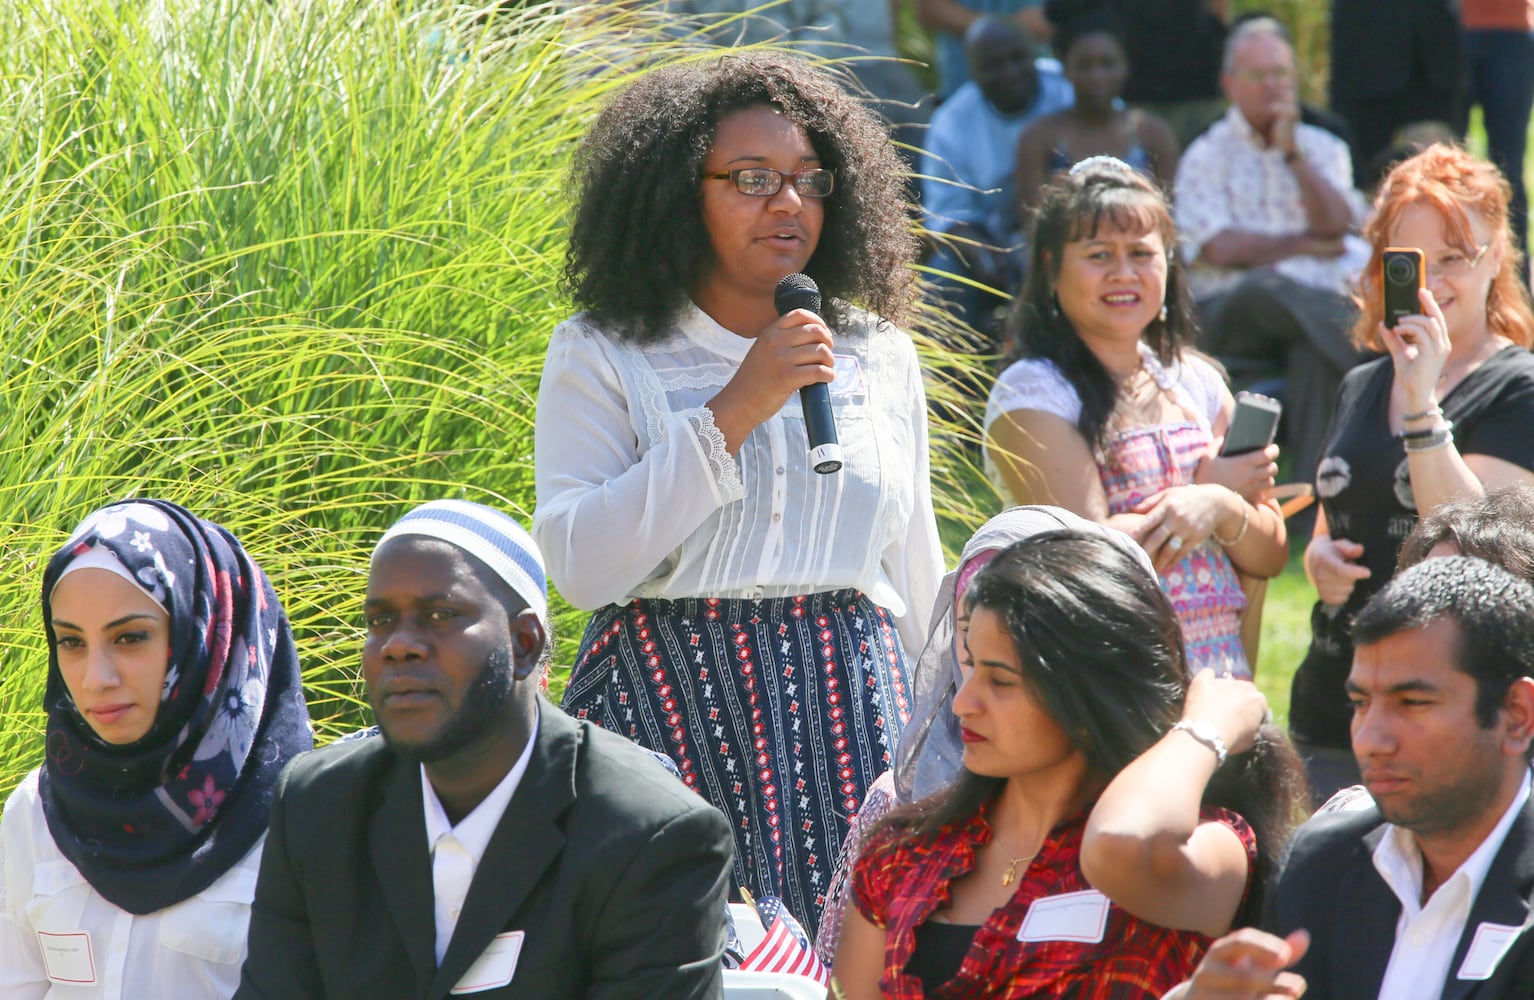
1446	414
1108	413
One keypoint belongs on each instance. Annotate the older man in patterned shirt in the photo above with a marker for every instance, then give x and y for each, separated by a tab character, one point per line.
1265	206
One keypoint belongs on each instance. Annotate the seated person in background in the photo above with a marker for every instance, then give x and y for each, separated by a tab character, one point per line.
488	843
128	859
1090	44
950	20
1265	204
970	159
1174	49
1096	836
1428	892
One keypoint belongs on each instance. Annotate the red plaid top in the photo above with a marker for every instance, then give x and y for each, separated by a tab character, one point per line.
899	883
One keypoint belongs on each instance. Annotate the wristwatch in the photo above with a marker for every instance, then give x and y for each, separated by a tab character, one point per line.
1206	734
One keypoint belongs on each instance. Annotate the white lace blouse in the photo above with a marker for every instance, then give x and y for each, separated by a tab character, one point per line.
638	496
1035	384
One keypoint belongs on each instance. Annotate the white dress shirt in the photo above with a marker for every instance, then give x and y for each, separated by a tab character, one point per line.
1230	179
457	850
639	497
190	951
1428	934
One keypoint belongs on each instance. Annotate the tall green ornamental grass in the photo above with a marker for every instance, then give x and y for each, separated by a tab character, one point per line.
293	265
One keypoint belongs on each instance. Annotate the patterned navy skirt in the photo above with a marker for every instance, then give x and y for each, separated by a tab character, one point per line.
781	712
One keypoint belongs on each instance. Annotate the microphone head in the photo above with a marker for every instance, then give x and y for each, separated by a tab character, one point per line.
797	291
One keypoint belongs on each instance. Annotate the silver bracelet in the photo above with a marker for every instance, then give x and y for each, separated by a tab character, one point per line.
1206	734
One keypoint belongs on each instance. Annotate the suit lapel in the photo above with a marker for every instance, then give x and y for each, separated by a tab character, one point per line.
402	865
526	842
1504	897
1365	931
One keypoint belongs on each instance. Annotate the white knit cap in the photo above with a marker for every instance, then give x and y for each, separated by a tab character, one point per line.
488	535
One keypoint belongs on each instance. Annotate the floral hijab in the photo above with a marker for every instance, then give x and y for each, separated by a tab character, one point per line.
156	821
930	752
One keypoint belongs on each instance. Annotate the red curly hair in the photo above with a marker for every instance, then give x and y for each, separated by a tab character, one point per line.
1452	182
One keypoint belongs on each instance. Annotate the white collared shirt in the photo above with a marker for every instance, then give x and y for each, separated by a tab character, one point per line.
457	850
191	950
1427	935
1229	178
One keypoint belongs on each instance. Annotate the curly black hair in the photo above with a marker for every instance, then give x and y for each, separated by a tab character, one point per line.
1073	206
638	240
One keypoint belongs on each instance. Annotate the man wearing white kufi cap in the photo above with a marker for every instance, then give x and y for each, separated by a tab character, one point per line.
488	843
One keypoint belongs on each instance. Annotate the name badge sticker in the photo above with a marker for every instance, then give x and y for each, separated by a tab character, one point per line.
1073	916
495	967
849	377
1490	943
67	957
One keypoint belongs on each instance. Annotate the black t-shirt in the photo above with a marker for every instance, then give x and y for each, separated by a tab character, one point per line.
1365	489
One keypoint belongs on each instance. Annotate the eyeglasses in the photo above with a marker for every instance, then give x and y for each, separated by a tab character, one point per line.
1278	74
1454	265
764	182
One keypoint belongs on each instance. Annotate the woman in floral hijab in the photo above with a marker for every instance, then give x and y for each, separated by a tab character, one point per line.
173	700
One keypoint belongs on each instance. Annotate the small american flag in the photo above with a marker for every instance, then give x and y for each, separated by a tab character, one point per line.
786	948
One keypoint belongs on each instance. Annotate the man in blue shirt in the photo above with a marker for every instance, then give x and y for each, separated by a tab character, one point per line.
967	169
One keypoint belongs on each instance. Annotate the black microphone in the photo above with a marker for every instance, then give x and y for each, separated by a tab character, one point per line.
799	291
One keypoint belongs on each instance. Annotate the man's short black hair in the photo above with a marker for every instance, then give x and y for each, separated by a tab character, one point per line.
1493	609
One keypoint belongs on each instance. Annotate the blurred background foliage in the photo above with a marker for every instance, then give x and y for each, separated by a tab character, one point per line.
294	266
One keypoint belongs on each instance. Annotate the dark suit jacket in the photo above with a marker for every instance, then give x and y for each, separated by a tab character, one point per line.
1328	885
615	871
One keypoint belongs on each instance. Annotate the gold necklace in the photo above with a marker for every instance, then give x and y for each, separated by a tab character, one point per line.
1011	874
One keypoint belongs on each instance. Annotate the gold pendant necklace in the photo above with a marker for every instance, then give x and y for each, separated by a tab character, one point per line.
1011	873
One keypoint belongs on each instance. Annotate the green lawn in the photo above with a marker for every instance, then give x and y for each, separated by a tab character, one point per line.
1285	633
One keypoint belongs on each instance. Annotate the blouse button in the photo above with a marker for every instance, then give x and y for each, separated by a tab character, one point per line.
776	518
780	470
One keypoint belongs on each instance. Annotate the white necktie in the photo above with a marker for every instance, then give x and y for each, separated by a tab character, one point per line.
452	869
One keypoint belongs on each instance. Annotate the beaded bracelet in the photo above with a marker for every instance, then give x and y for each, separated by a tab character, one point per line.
1433	411
1437	439
1246	522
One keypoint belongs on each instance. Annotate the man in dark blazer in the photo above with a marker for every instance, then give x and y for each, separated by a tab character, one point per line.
1428	889
487	843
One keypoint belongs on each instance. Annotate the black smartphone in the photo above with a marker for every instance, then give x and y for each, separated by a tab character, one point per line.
1254	425
1401	278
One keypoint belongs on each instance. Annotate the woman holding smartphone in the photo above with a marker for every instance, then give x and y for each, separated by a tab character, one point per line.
1107	412
1445	414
